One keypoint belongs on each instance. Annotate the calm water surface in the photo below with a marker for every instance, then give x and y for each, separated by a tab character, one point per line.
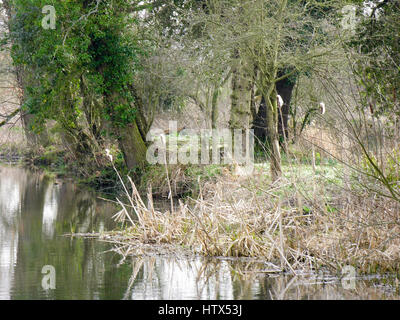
35	213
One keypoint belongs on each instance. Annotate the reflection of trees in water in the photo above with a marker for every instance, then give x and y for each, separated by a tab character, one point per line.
10	197
83	212
180	278
326	287
50	210
34	212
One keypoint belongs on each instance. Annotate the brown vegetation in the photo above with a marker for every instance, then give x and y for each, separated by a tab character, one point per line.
282	223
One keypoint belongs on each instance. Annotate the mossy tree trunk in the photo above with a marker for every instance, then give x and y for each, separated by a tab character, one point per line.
132	145
240	99
131	135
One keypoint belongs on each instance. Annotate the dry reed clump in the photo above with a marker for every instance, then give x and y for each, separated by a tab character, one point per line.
230	218
364	233
213	227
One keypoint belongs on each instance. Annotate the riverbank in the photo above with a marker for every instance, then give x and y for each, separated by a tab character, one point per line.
57	163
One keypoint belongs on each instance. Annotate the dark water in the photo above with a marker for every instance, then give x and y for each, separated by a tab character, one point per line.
35	213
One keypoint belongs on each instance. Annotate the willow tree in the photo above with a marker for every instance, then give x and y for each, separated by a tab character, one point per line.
275	40
201	70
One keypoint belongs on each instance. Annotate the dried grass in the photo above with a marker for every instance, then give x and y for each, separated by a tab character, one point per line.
247	218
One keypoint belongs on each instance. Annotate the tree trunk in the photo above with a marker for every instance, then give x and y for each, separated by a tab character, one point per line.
132	145
214	108
253	105
260	123
34	140
240	100
273	137
130	136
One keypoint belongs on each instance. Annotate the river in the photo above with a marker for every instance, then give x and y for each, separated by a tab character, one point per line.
36	212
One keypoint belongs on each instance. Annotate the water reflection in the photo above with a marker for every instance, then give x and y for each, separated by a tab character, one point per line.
177	279
170	279
35	212
50	208
8	232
